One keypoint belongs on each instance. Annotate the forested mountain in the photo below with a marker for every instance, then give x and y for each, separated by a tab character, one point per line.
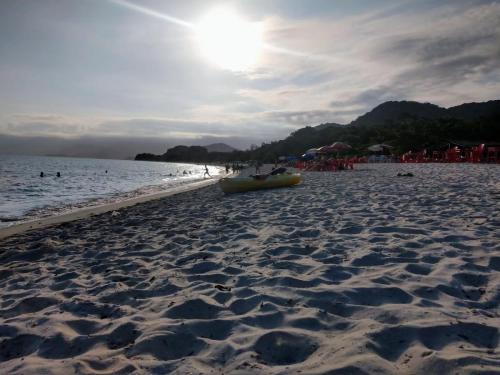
219	147
327	125
404	125
394	111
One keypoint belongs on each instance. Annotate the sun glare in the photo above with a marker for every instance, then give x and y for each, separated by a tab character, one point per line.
229	41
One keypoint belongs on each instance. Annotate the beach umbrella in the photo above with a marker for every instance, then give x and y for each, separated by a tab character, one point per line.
339	146
311	151
379	147
375	148
325	150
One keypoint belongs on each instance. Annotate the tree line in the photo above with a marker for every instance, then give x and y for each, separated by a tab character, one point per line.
410	133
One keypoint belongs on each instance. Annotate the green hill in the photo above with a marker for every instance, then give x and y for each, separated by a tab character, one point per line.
405	125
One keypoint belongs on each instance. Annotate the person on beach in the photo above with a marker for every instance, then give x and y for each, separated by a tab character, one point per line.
258	164
206	172
276	171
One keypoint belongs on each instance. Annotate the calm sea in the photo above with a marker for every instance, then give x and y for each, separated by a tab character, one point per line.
24	195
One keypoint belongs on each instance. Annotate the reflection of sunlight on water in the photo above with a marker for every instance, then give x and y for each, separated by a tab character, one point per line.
83	182
194	173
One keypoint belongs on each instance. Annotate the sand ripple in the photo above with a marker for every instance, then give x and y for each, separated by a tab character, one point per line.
349	273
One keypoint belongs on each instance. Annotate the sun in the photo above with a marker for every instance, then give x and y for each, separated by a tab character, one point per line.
229	41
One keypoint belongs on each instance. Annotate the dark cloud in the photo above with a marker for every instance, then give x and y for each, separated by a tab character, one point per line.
34	127
449	56
426	50
189	129
369	98
435	60
451	71
140	127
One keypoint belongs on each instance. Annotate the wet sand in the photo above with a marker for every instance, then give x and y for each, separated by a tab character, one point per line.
355	272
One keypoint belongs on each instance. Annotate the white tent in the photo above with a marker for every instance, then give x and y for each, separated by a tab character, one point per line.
379	147
312	151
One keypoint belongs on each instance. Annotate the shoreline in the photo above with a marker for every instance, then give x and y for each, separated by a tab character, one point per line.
83	213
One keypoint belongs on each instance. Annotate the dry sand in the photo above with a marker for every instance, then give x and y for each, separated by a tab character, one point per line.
356	272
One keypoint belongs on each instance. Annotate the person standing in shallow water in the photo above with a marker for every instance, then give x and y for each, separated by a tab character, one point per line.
206	172
258	164
41	174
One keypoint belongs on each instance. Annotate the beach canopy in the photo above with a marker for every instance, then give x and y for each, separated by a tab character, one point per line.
379	147
334	147
340	146
325	150
311	151
287	158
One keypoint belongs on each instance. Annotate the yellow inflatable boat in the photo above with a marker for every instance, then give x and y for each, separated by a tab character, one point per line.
241	184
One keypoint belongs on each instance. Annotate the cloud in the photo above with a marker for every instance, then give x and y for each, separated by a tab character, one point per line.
166	130
58	125
105	147
314	117
463	45
441	53
135	76
369	97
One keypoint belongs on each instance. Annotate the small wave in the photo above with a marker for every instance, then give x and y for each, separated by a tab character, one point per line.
9	219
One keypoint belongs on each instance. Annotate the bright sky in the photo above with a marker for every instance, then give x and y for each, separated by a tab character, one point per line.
240	71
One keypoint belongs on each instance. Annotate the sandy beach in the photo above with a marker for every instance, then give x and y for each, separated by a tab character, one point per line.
354	272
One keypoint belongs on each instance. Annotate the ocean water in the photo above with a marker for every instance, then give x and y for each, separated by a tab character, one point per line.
24	195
